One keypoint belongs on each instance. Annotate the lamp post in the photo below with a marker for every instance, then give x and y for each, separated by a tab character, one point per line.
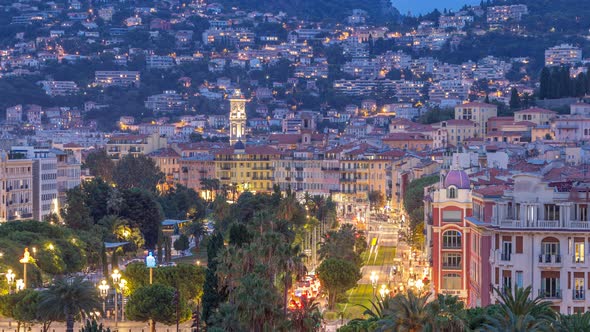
383	291
25	260
104	291
10	279
20	285
116	278
150	263
122	286
374	278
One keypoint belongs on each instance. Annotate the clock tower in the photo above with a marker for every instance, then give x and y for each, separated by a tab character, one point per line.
237	117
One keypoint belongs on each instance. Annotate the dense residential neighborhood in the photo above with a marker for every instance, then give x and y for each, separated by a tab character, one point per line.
320	158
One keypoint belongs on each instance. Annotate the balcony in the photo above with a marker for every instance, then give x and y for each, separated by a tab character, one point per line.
550	294
505	256
545	224
298	168
578	295
550	260
298	179
451	267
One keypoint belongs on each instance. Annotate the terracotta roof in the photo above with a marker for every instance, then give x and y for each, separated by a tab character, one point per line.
395	153
252	149
405	137
496	190
476	104
165	152
458	122
536	110
72	145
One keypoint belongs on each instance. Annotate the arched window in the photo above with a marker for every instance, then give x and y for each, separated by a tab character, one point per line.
451	239
452	192
451	281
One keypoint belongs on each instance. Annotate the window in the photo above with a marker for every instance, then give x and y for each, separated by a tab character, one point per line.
452	192
451	240
579	288
579	252
519	279
451	261
451	281
451	216
550	284
551	212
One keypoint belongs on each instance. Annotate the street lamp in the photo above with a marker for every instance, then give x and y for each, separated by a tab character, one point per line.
25	260
104	291
122	286
383	291
10	279
374	278
116	278
419	285
20	285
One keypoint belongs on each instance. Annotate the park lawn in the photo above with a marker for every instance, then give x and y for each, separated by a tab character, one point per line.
198	255
385	256
360	295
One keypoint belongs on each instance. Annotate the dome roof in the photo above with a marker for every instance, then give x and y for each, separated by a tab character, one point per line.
239	146
457	178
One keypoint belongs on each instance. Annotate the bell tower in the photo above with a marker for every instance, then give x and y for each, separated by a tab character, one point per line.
237	117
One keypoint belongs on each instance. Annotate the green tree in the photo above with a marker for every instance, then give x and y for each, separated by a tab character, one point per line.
376	199
155	304
76	213
514	99
69	298
407	312
100	164
137	172
414	199
545	84
306	318
196	229
212	295
337	276
93	326
343	244
143	211
182	243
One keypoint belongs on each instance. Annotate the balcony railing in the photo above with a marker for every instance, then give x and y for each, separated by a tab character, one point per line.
578	294
505	256
451	267
550	294
549	259
578	260
546	224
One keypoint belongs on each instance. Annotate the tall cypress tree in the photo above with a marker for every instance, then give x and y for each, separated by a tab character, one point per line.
514	99
544	90
212	296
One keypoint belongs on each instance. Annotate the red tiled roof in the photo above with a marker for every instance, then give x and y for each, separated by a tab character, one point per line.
165	152
495	190
476	104
406	137
536	110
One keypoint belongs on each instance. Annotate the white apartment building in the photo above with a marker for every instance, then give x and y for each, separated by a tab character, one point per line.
16	187
59	88
117	78
541	239
159	61
564	54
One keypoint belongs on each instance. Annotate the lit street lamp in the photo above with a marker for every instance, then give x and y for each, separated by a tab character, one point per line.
383	291
374	279
116	278
20	285
10	279
122	286
104	291
25	260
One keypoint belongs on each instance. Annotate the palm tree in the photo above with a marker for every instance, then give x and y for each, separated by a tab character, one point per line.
516	323
196	229
448	313
573	323
520	303
71	298
407	312
291	263
307	318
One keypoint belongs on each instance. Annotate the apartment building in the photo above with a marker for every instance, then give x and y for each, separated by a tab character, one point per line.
538	116
16	187
306	171
119	146
477	112
59	88
169	101
246	167
564	54
68	174
117	78
453	133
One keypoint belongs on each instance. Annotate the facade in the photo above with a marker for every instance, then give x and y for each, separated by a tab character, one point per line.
538	116
479	113
237	118
16	189
564	54
195	169
59	88
169	101
453	132
449	234
68	175
119	146
246	167
117	78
